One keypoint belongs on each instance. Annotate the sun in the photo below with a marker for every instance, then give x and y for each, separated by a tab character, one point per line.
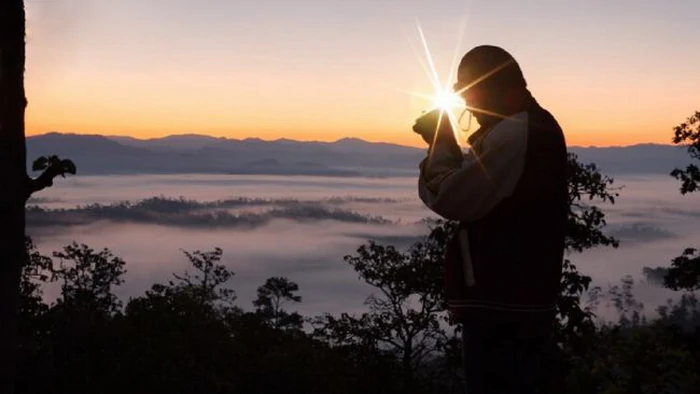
447	100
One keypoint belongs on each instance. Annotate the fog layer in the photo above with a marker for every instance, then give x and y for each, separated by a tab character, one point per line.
301	227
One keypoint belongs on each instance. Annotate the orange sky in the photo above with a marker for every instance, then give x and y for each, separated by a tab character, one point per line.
612	77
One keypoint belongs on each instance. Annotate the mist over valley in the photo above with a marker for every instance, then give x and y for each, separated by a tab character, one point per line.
302	226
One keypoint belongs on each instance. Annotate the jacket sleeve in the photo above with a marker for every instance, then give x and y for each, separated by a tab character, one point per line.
465	187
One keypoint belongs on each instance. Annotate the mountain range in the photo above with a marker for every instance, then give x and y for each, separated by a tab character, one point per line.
191	153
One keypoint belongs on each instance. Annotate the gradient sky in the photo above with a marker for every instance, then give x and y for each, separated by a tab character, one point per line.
612	72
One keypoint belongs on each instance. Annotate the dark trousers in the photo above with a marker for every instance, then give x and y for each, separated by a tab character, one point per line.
508	358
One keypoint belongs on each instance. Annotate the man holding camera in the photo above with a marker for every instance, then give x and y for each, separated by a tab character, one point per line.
509	194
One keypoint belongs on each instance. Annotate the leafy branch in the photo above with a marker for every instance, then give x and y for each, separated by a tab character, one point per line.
687	134
52	166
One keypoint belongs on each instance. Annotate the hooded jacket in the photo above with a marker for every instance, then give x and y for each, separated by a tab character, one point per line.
509	193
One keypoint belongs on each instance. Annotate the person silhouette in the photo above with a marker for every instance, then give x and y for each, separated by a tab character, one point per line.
509	193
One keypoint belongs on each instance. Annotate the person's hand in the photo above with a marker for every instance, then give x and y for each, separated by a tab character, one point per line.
427	125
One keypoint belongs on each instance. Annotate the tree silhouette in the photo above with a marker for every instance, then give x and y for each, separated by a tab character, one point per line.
87	277
12	176
179	338
404	319
584	231
586	221
271	297
179	335
79	324
15	185
32	342
687	134
622	299
35	271
206	283
684	273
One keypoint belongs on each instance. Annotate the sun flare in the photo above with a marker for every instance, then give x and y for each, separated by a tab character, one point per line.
443	97
447	100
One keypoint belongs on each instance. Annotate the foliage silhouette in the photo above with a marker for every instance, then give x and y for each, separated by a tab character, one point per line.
88	277
51	167
271	296
187	335
687	134
684	272
404	320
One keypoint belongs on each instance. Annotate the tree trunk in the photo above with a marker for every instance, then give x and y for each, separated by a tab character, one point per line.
13	181
407	366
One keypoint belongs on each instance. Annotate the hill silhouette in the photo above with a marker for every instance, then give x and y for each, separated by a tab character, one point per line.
193	153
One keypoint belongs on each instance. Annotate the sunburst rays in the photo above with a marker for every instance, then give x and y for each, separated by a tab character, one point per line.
443	97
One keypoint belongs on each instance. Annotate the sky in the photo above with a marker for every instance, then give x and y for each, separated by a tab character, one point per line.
612	72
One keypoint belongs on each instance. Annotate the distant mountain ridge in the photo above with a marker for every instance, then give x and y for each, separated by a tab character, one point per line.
193	153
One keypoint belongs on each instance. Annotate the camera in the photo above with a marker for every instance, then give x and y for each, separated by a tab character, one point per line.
427	124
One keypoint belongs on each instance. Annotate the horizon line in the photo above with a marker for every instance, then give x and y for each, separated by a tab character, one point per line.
349	138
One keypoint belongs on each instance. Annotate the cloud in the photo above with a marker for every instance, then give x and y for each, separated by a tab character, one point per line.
311	223
43	200
640	232
309	253
191	213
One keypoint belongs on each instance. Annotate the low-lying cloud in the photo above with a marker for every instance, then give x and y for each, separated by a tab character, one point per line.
303	228
228	213
640	232
310	254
